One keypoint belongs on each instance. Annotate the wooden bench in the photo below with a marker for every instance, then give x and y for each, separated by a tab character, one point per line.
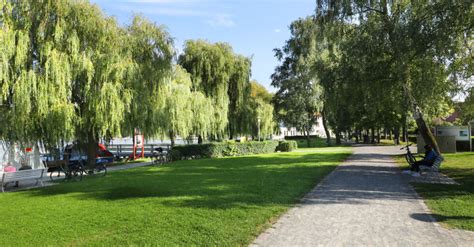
9	177
435	167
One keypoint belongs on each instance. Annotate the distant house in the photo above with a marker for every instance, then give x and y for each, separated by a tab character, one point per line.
317	130
449	119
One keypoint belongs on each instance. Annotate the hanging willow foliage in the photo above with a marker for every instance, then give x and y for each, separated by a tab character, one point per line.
264	112
239	90
185	112
64	68
223	76
68	72
210	69
35	77
152	51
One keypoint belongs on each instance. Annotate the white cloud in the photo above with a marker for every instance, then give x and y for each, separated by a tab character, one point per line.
277	30
221	20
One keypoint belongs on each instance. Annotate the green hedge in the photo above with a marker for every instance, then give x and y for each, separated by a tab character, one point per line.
215	150
301	137
287	146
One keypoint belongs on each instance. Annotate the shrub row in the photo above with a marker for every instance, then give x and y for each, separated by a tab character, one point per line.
224	149
301	137
287	146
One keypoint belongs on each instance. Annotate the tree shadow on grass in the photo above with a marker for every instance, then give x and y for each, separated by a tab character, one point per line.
244	182
439	218
213	183
248	182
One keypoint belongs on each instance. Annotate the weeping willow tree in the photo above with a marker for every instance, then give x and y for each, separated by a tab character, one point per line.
223	76
68	72
38	62
152	51
262	120
258	111
210	66
239	90
203	112
99	89
186	112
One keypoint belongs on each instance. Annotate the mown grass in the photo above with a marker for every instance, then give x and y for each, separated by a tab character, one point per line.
452	205
225	202
125	162
316	143
387	142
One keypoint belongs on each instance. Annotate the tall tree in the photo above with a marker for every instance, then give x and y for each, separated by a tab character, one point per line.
222	75
36	71
239	86
260	92
152	52
422	36
467	108
99	93
185	112
259	111
210	67
298	99
68	72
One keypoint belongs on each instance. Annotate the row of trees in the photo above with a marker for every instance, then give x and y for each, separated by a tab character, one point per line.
376	64
68	72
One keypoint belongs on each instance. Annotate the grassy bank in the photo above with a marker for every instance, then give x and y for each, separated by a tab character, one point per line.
452	205
315	143
226	201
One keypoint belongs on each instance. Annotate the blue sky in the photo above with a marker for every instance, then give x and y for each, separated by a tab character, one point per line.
253	27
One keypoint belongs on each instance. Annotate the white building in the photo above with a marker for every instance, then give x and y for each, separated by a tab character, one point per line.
317	130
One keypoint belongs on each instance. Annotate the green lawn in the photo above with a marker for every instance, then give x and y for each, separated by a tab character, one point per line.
453	205
315	143
205	202
387	142
125	162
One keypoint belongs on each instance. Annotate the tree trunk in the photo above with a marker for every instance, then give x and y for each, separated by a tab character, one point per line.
366	136
425	130
172	138
378	136
396	136
308	138
91	151
326	129
372	135
199	139
338	137
190	139
231	132
404	134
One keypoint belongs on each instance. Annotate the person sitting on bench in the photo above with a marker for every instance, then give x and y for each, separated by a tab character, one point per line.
428	160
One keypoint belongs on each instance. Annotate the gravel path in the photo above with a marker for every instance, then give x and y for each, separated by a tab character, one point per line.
366	201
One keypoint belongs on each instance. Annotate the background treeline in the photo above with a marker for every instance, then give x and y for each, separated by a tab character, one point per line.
376	66
69	72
